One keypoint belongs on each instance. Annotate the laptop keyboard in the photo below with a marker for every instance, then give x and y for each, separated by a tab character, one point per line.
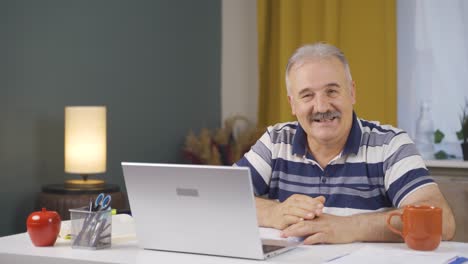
270	248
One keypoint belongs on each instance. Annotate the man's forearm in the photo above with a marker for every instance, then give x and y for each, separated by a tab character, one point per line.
263	206
373	227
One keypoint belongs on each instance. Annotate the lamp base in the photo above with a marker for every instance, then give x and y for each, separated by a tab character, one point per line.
84	184
61	189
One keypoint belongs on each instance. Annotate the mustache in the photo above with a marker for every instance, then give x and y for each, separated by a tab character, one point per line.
325	115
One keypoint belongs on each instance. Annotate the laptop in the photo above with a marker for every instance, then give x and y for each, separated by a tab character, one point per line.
197	209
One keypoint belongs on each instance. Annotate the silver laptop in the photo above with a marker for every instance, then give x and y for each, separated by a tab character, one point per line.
197	209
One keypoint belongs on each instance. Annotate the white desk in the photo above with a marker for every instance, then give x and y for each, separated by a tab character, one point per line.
19	249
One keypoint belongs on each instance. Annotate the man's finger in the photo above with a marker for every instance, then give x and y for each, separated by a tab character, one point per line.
302	228
307	199
317	238
321	199
300	212
286	221
291	220
306	203
318	211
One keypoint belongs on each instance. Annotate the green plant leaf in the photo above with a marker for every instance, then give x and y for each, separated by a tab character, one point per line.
441	155
460	134
463	133
438	136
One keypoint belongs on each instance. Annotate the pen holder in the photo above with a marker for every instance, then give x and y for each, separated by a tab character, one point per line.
91	229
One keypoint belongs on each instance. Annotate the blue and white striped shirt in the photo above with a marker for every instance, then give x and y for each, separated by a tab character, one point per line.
378	167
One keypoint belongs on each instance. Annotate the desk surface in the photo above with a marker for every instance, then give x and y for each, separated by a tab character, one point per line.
19	249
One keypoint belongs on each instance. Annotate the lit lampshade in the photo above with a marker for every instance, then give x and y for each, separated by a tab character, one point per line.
85	144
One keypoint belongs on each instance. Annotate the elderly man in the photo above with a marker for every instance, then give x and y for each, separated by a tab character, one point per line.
331	176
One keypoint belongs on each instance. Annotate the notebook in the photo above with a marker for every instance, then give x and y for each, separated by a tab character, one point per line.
197	209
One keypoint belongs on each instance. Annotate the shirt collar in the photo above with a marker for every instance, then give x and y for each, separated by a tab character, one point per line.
299	141
352	143
354	138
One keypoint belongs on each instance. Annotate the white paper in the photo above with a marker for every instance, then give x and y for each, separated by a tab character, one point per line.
376	254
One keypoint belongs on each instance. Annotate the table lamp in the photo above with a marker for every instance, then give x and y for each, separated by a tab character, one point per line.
85	145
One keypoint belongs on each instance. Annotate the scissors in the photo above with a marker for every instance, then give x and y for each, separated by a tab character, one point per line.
102	202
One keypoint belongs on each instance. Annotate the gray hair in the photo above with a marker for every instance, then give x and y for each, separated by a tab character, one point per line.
315	51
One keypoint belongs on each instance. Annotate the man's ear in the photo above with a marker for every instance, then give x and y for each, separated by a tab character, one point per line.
291	103
353	91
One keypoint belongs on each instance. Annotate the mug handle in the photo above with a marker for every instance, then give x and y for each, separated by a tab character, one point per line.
392	228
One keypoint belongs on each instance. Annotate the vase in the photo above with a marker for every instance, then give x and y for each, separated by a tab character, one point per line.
465	150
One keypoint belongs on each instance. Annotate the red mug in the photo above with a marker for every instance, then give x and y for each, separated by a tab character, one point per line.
422	226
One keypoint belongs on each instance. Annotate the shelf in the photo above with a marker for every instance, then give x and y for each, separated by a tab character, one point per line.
454	164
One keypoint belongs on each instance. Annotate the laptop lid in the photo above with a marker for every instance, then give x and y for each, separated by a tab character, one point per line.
195	208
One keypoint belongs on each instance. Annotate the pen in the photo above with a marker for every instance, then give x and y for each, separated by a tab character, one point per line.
458	260
79	238
121	211
96	233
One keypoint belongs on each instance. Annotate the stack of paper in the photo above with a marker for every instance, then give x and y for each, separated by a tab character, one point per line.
382	255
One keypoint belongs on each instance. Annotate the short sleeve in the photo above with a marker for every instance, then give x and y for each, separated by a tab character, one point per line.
259	160
404	169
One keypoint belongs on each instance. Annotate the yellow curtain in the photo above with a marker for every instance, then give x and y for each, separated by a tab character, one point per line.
365	30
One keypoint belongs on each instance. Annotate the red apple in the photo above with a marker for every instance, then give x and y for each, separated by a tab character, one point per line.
43	227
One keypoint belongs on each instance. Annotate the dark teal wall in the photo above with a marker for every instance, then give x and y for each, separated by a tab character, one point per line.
155	64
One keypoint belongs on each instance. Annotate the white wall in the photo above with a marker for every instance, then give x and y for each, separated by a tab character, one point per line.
433	65
239	67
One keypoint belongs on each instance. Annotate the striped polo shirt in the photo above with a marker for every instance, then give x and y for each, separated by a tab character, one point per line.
378	167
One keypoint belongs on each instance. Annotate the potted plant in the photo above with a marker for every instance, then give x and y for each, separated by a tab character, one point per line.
463	133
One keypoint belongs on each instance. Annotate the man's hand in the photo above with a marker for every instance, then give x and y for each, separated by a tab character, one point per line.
293	210
327	228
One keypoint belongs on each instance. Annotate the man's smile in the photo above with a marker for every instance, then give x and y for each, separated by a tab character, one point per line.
324	119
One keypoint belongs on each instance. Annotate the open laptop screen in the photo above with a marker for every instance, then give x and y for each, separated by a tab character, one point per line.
194	208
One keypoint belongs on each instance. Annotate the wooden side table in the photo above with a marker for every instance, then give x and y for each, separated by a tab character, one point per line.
56	197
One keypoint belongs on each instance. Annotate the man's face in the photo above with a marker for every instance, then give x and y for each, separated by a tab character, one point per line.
322	99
